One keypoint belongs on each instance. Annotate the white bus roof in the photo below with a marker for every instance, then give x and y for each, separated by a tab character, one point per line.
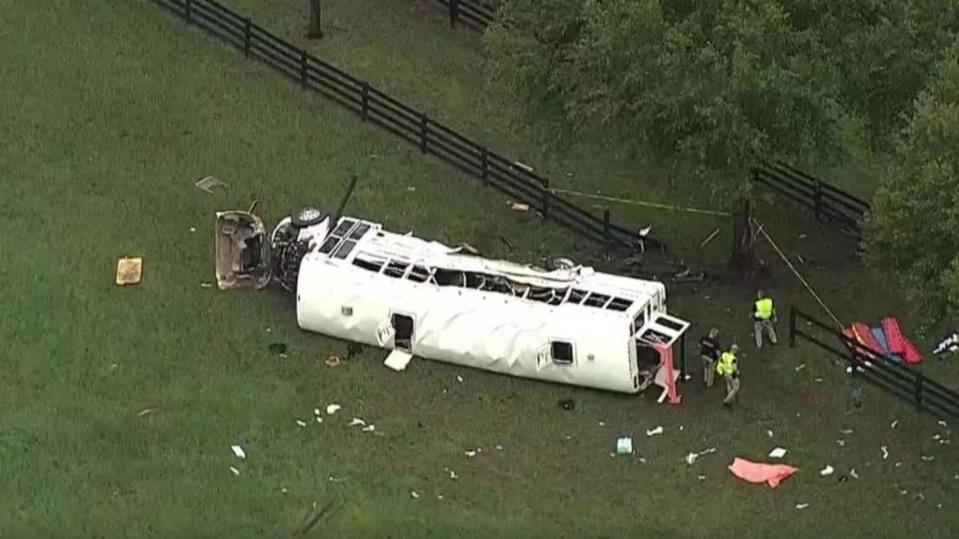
365	245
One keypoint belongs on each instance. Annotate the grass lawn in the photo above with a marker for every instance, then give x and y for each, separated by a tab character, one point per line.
112	109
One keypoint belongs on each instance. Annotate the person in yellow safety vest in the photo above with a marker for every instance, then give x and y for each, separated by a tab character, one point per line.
764	316
728	367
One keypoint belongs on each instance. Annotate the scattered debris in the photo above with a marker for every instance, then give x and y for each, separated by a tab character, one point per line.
802	505
192	229
828	470
336	479
709	238
903	492
453	475
411	188
602	423
319	419
769	433
519	206
207	183
301	423
333	361
278	349
459	379
238	451
702	477
316	411
414	495
147	411
567	404
894	424
936	436
439	497
681	428
800	367
357	421
369	428
942	423
692	457
777	453
898	465
624	446
818	380
925	458
206	285
470	453
398	359
846	431
885	452
235	471
129	270
283	490
658	430
332	408
852	472
499	448
842	443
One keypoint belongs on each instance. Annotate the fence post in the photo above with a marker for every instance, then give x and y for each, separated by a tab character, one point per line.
606	225
792	326
424	132
247	36
484	164
546	195
919	383
304	64
454	12
365	98
189	10
817	201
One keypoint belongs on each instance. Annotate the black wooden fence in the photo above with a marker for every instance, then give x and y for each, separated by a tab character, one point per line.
828	203
473	14
873	366
514	179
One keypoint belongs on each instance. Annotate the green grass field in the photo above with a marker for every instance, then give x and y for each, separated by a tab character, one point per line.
112	109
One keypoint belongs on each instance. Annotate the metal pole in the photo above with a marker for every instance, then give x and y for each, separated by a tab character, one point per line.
792	326
682	357
316	19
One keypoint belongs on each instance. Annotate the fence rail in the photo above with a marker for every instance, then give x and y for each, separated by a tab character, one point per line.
827	202
473	14
873	366
415	127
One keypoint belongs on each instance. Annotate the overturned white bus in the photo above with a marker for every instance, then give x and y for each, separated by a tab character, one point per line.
355	281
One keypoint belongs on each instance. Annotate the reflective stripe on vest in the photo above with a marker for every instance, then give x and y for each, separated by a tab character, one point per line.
764	309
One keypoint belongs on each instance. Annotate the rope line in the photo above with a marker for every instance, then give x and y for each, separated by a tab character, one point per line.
642	203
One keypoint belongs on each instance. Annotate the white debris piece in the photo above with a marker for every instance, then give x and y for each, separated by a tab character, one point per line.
842	443
398	360
852	472
769	433
439	496
846	431
316	411
702	477
319	419
936	436
894	424
301	423
470	453
777	453
414	495
602	423
802	505
898	465
925	458
499	448
453	475
357	421
332	408
800	367
238	451
885	452
235	471
681	428
459	379
942	423
658	430
828	470
624	446
369	428
691	458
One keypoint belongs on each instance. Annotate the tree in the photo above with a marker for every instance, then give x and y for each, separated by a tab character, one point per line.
707	86
914	231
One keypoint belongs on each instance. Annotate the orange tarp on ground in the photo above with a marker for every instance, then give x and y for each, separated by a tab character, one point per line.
757	472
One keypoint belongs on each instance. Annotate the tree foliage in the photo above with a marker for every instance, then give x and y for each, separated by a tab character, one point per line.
708	85
914	232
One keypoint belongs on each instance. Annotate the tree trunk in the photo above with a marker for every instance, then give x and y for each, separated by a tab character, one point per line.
743	259
316	30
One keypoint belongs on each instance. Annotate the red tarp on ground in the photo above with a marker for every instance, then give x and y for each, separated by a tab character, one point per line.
899	344
864	335
757	472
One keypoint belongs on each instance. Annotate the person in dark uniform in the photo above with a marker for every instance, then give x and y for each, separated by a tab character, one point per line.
709	352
